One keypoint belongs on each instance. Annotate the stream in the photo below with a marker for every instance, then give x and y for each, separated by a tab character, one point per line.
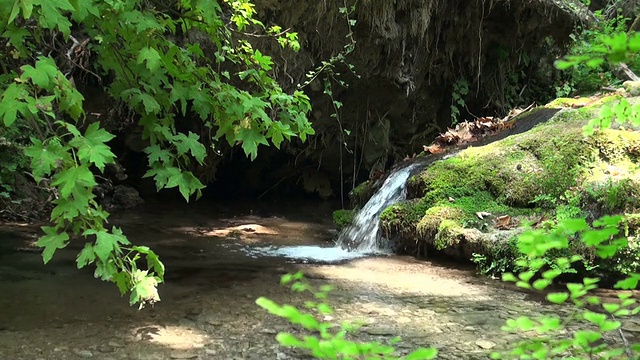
219	260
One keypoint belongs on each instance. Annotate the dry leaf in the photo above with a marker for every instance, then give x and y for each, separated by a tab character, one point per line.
482	214
503	222
451	199
433	149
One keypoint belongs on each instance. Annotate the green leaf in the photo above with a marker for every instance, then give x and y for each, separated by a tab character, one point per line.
191	144
541	284
92	147
12	102
44	73
151	57
78	176
187	184
286	339
45	158
557	298
144	288
52	241
250	140
86	256
151	105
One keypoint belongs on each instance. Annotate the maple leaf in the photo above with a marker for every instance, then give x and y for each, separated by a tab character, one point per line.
191	144
51	242
45	158
187	184
73	177
151	57
251	139
92	146
86	256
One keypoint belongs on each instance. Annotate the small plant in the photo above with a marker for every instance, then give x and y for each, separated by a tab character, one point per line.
328	340
343	218
594	317
460	90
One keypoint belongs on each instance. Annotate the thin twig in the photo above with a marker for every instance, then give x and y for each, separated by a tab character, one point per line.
627	348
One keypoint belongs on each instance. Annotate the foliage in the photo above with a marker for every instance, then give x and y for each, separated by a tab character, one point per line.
343	217
330	74
594	317
161	61
586	78
329	341
460	90
613	48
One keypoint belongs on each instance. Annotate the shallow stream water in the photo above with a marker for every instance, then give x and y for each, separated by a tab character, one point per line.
219	260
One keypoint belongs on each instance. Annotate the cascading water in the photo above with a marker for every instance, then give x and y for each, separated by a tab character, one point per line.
362	235
359	239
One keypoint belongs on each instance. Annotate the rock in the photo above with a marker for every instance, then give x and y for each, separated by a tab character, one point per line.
269	331
632	87
181	355
115	344
83	353
105	348
634	328
485	344
214	322
125	197
379	330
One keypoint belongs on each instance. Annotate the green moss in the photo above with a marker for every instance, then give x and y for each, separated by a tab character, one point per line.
403	217
552	171
429	225
343	218
361	193
450	234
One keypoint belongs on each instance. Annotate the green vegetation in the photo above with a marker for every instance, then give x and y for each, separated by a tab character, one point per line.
593	316
343	218
327	340
548	174
158	62
361	193
583	78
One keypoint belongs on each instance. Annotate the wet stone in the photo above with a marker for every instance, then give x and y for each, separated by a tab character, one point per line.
379	331
182	355
83	353
485	344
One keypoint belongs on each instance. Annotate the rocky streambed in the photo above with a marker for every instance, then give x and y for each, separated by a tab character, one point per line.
208	306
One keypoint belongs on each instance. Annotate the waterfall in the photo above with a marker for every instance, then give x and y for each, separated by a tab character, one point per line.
362	235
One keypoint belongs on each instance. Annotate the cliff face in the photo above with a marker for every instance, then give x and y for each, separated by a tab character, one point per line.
410	57
415	64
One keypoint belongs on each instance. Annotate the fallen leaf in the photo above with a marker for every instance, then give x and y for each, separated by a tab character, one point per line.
482	214
503	222
433	149
451	199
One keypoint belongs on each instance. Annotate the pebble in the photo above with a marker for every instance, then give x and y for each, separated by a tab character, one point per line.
485	344
83	353
182	355
379	330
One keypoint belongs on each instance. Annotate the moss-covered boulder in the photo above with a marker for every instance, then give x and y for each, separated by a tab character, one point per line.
343	218
473	204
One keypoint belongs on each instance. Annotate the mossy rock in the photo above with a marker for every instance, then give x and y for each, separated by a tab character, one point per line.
343	218
552	170
362	193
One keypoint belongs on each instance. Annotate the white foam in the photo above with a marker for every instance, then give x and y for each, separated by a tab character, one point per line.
306	253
